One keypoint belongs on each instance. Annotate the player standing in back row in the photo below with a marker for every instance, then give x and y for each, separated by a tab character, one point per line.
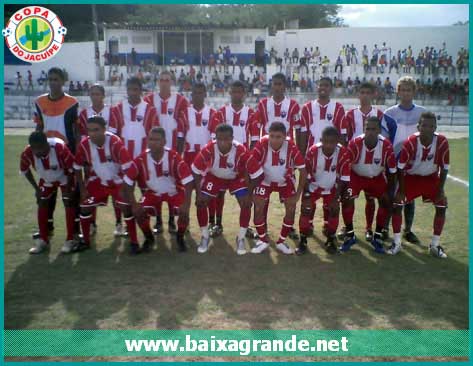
169	107
57	115
239	116
353	123
400	121
196	133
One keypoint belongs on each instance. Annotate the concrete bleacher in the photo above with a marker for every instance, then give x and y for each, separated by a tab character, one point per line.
19	109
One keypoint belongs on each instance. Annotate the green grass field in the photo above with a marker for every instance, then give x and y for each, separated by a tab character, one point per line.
105	288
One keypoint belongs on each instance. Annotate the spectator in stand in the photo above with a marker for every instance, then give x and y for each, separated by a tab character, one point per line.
85	87
316	55
354	54
286	56
79	87
325	65
375	53
303	85
19	83
394	65
30	81
295	56
134	57
72	88
339	64
295	80
211	62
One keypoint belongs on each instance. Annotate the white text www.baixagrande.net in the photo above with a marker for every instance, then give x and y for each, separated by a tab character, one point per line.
243	347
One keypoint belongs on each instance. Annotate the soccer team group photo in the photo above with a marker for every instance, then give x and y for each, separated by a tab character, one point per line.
310	173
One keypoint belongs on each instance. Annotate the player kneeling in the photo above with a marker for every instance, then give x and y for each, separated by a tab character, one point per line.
163	177
53	162
327	179
106	159
271	168
422	170
373	166
223	164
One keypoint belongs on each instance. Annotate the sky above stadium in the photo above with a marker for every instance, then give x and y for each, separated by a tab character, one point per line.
405	15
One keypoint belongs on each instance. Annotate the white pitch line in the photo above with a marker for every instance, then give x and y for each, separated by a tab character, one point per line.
458	180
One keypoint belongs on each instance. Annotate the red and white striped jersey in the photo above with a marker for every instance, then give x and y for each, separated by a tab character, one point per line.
88	112
370	162
196	127
277	166
323	171
354	121
132	124
417	159
315	117
241	121
170	114
166	176
107	163
228	166
287	111
51	168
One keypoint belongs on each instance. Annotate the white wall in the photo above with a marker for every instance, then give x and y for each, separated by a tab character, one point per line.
330	40
122	34
76	57
249	35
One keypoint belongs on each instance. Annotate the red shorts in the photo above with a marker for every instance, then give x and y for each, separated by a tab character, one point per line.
374	187
98	194
212	185
189	157
47	191
264	192
317	194
423	186
152	202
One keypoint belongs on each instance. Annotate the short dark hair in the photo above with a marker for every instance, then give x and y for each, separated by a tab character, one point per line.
159	130
224	128
330	131
199	85
327	79
280	76
38	138
134	81
367	85
428	115
373	119
277	127
59	72
238	84
98	120
97	86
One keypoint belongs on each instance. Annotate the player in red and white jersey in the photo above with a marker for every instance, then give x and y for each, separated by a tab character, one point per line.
99	108
96	108
239	116
320	113
196	133
170	107
271	168
277	108
106	159
221	166
353	123
422	170
327	179
164	177
53	162
133	118
373	165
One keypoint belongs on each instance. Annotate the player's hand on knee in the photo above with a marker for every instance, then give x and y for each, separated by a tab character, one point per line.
399	199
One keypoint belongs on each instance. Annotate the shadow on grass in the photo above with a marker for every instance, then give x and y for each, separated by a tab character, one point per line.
360	289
